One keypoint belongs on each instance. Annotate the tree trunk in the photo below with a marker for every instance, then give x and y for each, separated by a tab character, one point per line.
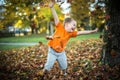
111	49
50	29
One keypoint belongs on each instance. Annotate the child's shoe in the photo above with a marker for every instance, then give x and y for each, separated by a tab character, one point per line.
64	72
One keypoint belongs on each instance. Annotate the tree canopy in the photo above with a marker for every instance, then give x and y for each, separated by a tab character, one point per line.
83	14
20	12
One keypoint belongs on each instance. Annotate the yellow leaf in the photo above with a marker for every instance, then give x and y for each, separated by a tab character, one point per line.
40	72
18	24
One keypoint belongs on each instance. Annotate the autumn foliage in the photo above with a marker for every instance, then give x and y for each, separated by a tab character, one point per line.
83	63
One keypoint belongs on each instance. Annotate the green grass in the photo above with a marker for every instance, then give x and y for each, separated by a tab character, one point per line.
29	38
37	38
88	36
9	47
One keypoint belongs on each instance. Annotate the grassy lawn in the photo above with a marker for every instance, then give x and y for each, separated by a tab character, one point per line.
9	47
28	38
37	38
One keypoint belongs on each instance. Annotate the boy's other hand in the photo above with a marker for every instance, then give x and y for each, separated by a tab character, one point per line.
49	37
95	30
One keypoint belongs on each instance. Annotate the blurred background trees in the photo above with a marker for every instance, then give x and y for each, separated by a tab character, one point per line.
35	14
26	14
88	13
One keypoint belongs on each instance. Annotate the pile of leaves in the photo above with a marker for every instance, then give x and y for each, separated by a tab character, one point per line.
83	63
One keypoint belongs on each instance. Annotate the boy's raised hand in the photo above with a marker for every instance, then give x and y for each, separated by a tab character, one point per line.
51	4
55	16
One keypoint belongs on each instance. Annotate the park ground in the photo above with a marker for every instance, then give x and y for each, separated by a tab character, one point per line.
84	55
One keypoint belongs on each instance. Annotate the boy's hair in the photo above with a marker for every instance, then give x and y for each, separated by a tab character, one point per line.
67	20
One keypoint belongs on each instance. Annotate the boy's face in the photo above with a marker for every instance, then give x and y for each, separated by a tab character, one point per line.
70	27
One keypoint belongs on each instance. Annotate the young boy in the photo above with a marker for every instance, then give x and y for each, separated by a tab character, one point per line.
58	41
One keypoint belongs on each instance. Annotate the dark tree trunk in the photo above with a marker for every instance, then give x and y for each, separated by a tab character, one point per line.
111	49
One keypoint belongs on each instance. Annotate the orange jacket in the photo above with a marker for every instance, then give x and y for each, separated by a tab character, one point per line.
60	38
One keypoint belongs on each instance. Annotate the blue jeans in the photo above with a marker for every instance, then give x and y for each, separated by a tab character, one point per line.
53	56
